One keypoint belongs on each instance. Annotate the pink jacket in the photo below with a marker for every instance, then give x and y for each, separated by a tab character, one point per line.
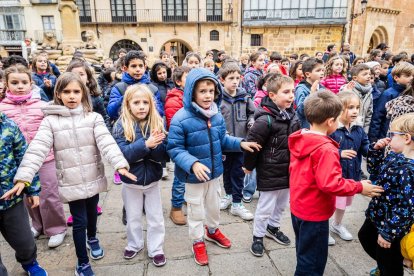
27	116
260	94
334	82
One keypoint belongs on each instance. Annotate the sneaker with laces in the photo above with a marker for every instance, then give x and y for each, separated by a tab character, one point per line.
257	248
200	253
277	235
69	221
218	238
159	260
341	231
35	233
56	240
331	241
84	270
117	178
34	269
225	202
129	254
247	199
239	210
95	250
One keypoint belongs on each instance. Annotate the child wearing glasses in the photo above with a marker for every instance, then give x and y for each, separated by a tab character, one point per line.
390	216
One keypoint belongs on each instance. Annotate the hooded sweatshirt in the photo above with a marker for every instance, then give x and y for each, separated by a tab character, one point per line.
316	176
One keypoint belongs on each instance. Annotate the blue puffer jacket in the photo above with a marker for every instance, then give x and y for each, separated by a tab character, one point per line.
302	91
144	163
195	138
379	122
38	80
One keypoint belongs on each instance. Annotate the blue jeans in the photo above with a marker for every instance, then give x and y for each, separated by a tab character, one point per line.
250	184
311	246
233	176
177	193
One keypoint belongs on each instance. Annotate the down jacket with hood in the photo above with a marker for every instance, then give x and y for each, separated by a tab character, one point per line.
250	79
78	140
173	103
334	82
195	138
302	91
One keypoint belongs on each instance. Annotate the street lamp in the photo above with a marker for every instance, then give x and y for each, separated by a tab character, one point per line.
363	7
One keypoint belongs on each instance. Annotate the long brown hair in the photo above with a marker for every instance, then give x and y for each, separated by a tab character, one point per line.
92	83
64	81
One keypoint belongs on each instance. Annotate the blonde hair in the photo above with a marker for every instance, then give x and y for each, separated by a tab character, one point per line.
208	62
346	96
403	68
404	123
64	81
128	120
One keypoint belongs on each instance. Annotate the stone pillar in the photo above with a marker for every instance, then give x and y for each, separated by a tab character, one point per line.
71	31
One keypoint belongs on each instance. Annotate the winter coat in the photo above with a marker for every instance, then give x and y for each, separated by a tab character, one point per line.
145	162
238	112
380	85
376	94
334	82
173	103
353	139
99	107
393	211
107	92
163	88
271	130
384	79
38	80
194	138
302	91
399	106
102	82
260	94
55	69
250	79
78	140
380	123
12	149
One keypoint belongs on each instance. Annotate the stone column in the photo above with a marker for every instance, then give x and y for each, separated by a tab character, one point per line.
71	30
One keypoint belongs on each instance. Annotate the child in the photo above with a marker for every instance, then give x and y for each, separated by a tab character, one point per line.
164	57
103	82
315	180
383	72
262	88
196	139
2	90
237	109
161	78
402	104
296	72
23	106
358	61
173	103
140	133
275	120
390	216
209	65
353	144
78	136
313	72
335	74
402	75
253	73
378	83
407	245
286	64
193	60
15	225
42	75
244	63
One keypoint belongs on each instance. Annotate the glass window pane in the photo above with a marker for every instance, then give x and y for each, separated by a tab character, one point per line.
311	4
247	4
254	4
262	5
294	4
328	3
320	3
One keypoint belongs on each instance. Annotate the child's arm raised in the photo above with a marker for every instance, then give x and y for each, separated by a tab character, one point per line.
375	156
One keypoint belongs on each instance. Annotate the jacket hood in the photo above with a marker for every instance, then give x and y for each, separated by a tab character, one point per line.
305	83
55	109
240	93
303	142
268	107
193	77
130	80
154	68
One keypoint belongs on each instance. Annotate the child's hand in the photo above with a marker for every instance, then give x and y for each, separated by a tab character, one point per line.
350	85
47	82
382	143
348	154
246	171
201	171
34	201
314	86
370	190
126	173
155	139
250	146
382	242
16	190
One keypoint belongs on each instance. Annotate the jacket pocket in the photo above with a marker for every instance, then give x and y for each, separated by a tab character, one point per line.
241	112
194	207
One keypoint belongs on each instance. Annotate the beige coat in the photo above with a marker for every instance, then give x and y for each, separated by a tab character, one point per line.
78	140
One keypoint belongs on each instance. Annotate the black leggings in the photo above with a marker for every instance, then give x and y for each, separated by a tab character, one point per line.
389	260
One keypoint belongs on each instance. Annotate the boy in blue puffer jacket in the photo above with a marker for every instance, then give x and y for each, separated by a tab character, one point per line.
195	142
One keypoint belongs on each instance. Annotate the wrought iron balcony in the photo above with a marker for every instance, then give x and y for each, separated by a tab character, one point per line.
44	2
12	37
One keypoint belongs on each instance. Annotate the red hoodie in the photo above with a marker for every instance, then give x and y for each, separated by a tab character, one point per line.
173	103
316	176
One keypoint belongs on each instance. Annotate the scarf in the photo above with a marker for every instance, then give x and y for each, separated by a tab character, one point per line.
364	89
130	80
18	99
207	113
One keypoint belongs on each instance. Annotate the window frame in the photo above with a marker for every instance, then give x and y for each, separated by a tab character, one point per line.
50	22
123	15
257	40
178	14
214	35
84	10
216	14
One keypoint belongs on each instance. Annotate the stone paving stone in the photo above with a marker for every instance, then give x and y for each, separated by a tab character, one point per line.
238	233
181	267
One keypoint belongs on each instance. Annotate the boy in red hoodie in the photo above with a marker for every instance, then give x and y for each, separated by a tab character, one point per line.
315	181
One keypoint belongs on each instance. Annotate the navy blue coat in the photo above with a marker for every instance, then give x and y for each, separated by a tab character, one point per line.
194	138
38	80
144	163
355	139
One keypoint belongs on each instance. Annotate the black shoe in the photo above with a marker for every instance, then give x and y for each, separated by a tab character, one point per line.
277	235
257	247
364	176
124	218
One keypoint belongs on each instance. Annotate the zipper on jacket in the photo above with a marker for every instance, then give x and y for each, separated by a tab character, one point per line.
211	147
232	119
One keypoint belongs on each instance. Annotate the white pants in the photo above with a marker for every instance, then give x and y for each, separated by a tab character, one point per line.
269	210
203	202
135	197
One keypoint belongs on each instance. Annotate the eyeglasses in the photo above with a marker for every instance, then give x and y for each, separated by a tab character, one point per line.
391	134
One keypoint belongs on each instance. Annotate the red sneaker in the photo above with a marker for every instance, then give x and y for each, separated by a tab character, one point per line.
200	253
218	238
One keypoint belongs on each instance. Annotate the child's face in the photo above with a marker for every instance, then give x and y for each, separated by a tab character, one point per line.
162	74
210	67
284	97
136	68
377	70
19	83
204	93
372	79
231	82
399	140
165	58
139	106
209	56
82	74
259	63
181	82
384	69
286	65
274	69
41	63
319	56
338	66
245	61
363	78
193	62
359	61
403	79
299	73
350	113
377	57
71	95
108	63
317	73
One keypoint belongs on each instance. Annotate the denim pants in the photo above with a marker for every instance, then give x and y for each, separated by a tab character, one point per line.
233	176
250	184
177	193
84	219
311	246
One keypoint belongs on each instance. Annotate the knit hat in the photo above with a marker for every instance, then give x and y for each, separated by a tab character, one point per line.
372	64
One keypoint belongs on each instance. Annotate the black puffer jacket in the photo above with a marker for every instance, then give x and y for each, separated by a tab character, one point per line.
271	130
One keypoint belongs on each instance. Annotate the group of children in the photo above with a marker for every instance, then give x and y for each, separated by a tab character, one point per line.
289	137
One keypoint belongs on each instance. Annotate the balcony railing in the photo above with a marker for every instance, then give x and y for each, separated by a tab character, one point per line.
12	37
153	16
44	1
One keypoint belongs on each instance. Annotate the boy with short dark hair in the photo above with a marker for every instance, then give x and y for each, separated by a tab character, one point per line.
315	180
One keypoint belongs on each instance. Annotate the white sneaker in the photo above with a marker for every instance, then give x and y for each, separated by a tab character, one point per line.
341	231
56	240
256	194
331	240
225	202
164	173
34	232
241	211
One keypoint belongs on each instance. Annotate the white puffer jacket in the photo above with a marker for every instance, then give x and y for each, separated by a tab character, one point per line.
78	140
